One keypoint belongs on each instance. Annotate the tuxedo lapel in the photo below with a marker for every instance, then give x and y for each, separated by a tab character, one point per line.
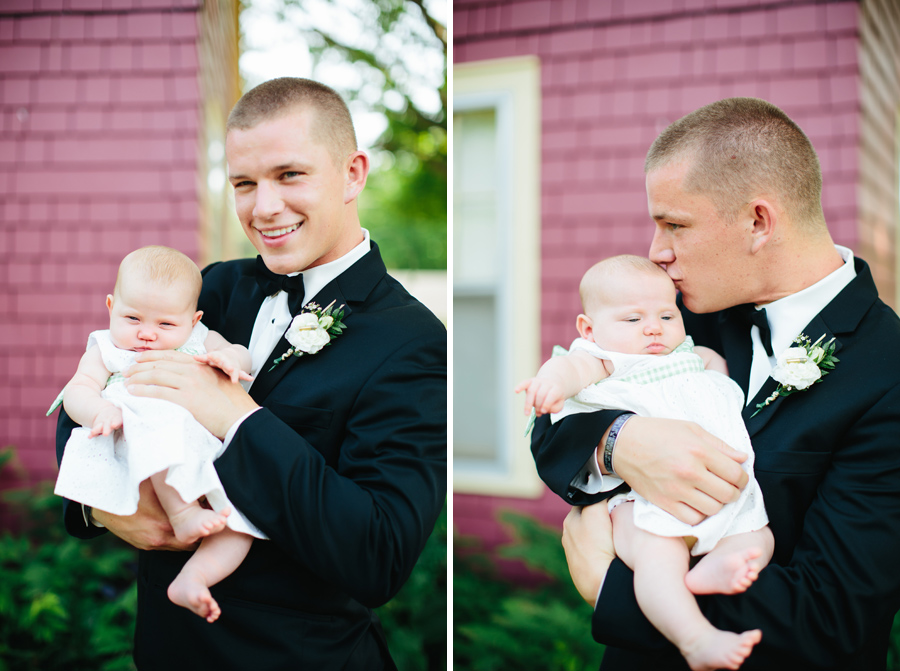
737	349
269	377
352	286
242	309
841	316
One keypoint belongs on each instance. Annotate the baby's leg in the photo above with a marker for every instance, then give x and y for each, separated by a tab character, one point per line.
733	565
190	521
660	565
217	558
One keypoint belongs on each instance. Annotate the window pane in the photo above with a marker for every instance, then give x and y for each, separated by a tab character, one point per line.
475	232
475	378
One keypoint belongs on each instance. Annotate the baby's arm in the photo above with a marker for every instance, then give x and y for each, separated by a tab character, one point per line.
712	360
560	378
233	360
82	399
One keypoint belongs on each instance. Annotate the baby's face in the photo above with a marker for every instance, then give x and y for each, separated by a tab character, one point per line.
643	318
145	316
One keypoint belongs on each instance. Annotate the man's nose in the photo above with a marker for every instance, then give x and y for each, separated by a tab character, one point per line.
660	249
268	201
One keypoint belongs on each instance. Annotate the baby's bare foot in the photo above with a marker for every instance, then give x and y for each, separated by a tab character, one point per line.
192	593
720	573
195	522
716	649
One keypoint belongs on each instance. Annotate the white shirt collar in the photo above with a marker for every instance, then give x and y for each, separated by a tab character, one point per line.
788	317
315	279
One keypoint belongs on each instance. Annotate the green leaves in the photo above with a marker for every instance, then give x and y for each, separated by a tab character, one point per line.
537	623
64	603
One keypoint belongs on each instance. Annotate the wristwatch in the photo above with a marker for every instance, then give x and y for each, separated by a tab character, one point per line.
610	445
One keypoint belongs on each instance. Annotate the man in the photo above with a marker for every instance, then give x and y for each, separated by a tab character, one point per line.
338	456
735	191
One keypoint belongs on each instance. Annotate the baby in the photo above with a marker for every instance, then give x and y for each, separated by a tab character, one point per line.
633	355
126	439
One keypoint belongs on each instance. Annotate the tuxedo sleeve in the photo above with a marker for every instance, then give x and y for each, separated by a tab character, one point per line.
840	584
362	522
562	449
72	510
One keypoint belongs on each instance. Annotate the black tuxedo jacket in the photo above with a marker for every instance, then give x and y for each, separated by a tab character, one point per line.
344	468
828	463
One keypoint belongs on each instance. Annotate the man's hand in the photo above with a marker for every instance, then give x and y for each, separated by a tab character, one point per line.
204	391
588	542
148	528
679	467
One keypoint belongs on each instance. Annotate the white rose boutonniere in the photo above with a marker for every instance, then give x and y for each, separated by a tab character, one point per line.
312	329
800	367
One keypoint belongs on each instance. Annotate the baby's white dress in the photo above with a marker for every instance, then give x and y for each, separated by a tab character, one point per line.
104	472
676	386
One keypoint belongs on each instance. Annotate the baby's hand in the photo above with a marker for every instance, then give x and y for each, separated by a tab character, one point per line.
107	420
542	394
225	360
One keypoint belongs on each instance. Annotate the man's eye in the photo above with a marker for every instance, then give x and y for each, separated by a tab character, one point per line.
673	227
244	183
290	174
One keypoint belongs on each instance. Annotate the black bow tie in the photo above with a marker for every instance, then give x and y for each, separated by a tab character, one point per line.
748	316
271	283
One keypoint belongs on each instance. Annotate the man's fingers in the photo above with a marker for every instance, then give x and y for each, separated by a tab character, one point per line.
163	355
728	470
687	514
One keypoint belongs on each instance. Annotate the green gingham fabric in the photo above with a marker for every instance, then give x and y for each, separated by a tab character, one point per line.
668	366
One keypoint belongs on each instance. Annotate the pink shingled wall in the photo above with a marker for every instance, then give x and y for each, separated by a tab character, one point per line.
99	118
614	74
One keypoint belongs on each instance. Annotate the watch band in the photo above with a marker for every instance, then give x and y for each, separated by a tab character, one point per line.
610	445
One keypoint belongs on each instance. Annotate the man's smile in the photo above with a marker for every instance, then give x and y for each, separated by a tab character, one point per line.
278	232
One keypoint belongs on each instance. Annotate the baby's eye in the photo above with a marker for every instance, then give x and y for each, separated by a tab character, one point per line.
668	317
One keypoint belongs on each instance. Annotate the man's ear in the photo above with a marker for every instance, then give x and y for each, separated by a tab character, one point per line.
585	327
764	221
196	318
356	173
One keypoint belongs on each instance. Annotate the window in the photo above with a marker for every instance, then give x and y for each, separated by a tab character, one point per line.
496	272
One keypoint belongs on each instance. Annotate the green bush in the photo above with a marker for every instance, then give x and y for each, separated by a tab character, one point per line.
498	624
64	603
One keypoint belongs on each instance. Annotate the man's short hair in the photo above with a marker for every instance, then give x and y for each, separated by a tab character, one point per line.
161	265
739	148
592	288
278	97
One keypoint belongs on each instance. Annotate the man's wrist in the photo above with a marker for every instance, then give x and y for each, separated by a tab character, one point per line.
88	513
609	444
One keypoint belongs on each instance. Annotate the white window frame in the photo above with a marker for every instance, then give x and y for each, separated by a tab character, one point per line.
511	87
